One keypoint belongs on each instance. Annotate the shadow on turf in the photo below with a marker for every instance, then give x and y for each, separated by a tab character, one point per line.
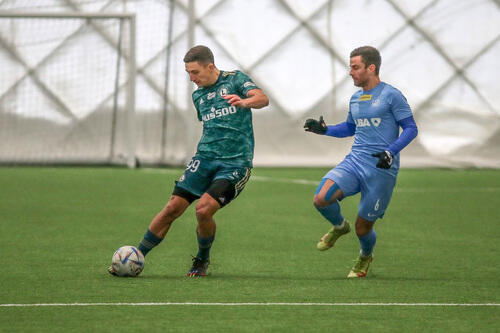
242	276
261	277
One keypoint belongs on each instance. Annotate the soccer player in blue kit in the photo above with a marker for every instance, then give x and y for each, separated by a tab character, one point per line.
375	114
221	166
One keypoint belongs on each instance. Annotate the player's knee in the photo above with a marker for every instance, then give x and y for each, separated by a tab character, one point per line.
204	211
171	212
319	201
361	231
363	227
201	213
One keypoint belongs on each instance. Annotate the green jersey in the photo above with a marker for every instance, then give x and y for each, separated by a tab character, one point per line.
227	130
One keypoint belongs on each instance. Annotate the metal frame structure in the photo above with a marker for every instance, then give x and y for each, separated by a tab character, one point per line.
187	9
32	72
409	20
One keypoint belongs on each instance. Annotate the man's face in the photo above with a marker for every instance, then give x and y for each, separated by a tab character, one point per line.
200	74
359	72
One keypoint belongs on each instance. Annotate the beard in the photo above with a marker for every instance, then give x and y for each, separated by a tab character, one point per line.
360	83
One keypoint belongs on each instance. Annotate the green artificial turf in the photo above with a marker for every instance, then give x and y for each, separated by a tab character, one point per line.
437	245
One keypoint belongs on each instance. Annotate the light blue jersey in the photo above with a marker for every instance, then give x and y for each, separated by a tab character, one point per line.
375	113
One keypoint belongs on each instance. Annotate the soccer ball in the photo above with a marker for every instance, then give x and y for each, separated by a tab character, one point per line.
127	261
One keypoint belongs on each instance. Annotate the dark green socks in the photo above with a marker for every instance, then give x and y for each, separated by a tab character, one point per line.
204	245
149	241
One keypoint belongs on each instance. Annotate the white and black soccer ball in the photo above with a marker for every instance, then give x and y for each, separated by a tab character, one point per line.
127	261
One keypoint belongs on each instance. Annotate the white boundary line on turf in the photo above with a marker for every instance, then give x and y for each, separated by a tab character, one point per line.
316	182
397	189
284	180
250	304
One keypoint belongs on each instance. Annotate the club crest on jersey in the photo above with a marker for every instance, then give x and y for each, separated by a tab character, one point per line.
376	121
223	92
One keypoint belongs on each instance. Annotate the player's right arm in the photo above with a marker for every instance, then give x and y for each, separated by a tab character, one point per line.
341	130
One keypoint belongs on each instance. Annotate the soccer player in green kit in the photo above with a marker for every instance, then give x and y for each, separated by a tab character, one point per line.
221	166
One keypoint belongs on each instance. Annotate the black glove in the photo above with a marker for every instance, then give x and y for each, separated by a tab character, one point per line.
384	159
315	126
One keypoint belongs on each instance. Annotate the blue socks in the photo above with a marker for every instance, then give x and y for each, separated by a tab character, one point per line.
204	245
367	243
332	213
149	241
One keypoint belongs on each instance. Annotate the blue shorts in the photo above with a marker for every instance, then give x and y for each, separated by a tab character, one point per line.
376	186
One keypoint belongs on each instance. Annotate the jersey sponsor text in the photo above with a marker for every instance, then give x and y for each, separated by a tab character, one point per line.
219	113
365	122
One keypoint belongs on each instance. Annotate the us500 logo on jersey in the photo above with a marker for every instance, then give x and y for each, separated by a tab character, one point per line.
218	113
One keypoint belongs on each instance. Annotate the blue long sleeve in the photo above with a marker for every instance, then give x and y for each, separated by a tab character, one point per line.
409	132
341	130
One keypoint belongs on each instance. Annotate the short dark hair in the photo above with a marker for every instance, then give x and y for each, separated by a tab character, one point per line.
201	54
369	56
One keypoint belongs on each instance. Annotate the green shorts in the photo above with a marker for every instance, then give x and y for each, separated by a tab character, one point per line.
222	180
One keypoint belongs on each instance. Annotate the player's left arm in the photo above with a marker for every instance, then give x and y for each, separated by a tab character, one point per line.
255	99
410	131
404	118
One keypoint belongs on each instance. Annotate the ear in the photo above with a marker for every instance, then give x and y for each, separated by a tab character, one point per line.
211	67
372	68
